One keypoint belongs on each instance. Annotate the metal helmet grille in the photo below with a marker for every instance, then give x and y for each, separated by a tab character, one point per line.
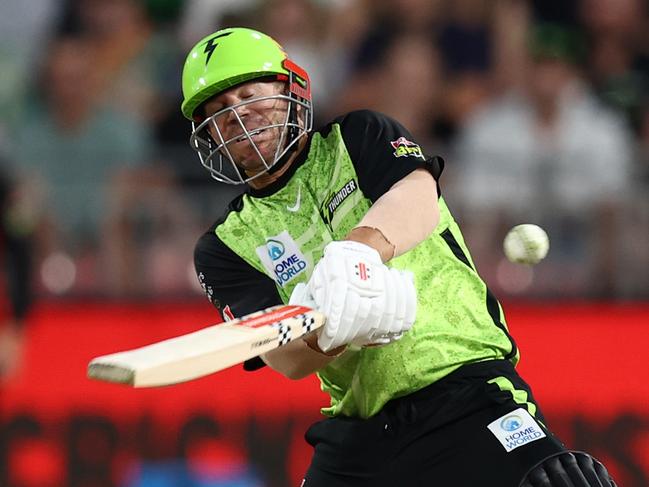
215	154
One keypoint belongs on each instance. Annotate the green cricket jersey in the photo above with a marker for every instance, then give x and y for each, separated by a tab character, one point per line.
269	240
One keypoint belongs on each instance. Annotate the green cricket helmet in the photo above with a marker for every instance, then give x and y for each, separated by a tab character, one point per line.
226	59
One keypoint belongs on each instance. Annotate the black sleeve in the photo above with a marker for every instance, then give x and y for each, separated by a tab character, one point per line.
383	152
16	241
232	285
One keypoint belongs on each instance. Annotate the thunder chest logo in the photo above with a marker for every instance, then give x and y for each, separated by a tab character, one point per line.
338	198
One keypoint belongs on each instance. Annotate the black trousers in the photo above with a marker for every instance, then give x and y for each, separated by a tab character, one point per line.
438	436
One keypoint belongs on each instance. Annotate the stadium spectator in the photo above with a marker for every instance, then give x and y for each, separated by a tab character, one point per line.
553	140
24	28
405	83
470	56
200	17
302	28
619	60
135	61
76	148
16	235
551	145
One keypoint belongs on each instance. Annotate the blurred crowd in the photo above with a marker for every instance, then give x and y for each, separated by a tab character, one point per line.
540	108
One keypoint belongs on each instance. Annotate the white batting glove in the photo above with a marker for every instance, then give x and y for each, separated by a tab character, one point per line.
347	286
400	314
362	298
302	297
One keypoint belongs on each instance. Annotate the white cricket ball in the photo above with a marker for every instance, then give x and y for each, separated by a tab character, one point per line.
526	244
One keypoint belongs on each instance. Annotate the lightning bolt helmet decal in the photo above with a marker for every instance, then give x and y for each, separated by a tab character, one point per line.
210	45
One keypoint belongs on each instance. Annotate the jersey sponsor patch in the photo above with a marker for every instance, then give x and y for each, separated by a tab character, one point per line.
516	429
282	258
405	148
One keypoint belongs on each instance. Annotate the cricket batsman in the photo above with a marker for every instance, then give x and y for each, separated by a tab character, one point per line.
349	218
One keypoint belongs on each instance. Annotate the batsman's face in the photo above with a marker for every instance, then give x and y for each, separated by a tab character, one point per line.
264	119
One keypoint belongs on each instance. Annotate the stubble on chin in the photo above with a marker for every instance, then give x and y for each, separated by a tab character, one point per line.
250	160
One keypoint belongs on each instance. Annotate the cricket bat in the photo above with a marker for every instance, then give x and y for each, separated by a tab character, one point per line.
208	350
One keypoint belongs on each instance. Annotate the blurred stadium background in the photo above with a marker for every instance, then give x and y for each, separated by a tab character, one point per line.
540	108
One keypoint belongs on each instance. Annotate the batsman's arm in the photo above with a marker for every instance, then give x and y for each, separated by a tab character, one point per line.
410	205
401	218
300	358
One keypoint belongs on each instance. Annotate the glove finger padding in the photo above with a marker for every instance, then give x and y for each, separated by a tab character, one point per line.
361	310
349	321
345	285
334	308
365	278
401	287
411	299
391	297
364	300
387	328
363	320
329	280
399	316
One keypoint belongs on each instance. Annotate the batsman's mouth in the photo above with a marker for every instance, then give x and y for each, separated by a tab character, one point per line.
253	134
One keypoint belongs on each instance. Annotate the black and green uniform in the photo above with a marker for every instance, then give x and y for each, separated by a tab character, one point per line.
270	239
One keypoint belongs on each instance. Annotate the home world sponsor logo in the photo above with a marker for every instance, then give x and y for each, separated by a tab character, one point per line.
275	249
405	148
338	198
282	258
516	429
511	423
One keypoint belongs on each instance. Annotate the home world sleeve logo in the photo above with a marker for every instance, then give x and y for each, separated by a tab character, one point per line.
282	258
516	429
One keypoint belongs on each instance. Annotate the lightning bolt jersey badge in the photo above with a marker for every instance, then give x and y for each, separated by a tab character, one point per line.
210	45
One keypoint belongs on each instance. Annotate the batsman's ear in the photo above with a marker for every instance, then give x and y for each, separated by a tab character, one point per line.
200	114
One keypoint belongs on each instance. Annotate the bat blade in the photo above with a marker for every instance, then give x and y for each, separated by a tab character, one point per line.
208	350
